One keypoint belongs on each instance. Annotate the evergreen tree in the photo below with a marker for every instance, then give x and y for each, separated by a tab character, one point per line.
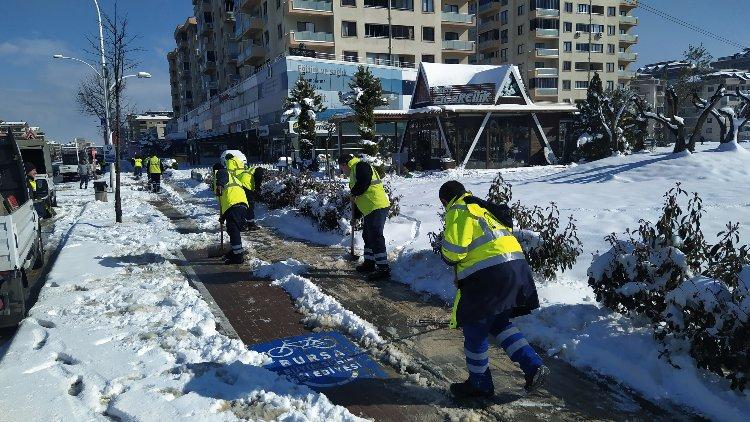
588	121
304	104
366	93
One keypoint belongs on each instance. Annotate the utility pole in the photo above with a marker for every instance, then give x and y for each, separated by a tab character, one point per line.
105	86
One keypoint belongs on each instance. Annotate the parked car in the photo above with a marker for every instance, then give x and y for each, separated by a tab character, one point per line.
21	248
38	153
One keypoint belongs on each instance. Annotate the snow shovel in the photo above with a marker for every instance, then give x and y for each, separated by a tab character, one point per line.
220	252
352	255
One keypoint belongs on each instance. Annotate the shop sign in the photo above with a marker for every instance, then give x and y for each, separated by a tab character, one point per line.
463	94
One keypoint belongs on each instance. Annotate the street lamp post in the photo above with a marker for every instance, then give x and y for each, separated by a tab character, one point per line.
105	84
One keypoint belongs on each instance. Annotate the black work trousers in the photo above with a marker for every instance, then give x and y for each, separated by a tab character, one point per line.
155	182
234	221
372	234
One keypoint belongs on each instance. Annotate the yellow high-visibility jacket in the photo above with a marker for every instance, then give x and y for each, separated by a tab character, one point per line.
374	197
232	192
474	240
154	165
138	162
246	178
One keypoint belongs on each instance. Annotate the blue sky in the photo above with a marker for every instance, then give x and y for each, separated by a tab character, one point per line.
35	88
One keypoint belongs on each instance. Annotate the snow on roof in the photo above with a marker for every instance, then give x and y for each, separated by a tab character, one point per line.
730	73
441	74
152	117
14	123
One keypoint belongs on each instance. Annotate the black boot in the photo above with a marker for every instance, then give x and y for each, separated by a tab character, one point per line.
252	226
382	272
366	267
536	379
235	258
464	390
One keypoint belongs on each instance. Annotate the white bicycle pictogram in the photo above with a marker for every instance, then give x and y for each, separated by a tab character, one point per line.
288	347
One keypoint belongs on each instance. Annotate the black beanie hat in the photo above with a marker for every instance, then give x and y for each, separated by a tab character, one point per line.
28	167
451	190
345	158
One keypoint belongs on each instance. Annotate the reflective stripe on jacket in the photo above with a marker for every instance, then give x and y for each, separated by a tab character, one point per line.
138	162
374	197
475	240
32	183
154	165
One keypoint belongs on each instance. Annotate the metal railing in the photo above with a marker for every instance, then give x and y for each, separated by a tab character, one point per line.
547	52
542	32
545	71
629	38
547	13
312	36
625	74
545	91
629	19
458	45
458	17
628	56
317	5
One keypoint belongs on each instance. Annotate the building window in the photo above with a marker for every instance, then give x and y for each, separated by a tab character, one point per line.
520	29
611	11
568	7
402	4
583	8
611	48
278	4
611	30
349	3
428	6
265	9
266	38
610	67
305	26
568	26
567	46
520	49
503	55
610	85
709	130
376	30
520	10
428	58
401	32
279	32
351	56
582	84
450	8
451	61
566	85
504	17
428	34
504	36
378	58
451	36
348	29
566	66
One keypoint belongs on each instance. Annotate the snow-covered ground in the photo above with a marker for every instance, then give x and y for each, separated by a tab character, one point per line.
604	197
119	332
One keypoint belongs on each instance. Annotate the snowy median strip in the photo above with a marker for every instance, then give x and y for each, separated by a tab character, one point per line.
318	307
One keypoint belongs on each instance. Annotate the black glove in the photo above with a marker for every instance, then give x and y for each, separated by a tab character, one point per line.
356	213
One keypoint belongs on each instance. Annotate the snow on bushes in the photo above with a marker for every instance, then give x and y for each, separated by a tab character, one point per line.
696	296
547	249
325	202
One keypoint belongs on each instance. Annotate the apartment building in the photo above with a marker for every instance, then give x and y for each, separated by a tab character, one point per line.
152	122
558	45
731	80
737	61
229	40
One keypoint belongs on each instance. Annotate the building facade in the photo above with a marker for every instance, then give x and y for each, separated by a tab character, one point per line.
732	80
558	45
147	124
737	61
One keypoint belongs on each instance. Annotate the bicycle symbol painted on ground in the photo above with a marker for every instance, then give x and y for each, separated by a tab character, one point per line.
288	347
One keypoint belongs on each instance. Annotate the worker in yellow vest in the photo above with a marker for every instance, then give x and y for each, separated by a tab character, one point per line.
251	179
370	201
232	205
494	284
137	167
154	173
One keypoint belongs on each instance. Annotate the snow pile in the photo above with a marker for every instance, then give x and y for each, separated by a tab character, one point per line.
319	308
119	333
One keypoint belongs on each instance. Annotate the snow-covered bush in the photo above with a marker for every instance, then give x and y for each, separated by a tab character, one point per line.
696	296
547	248
325	202
304	104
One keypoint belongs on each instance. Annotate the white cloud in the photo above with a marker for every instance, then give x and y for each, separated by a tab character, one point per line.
27	50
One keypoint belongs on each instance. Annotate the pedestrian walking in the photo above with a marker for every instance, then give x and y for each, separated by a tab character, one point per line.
232	206
84	174
154	173
137	167
495	284
369	201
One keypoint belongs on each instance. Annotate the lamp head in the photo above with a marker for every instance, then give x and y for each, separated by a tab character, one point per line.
57	56
144	75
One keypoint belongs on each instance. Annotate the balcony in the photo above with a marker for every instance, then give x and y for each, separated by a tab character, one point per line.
625	74
489	7
252	54
546	52
628	4
212	85
545	92
627	57
309	36
544	71
247	26
546	33
209	66
628	38
628	20
229	17
457	19
545	13
489	45
311	7
487	25
458	45
206	28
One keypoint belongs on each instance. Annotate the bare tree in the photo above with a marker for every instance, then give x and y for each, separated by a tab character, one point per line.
721	117
611	113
